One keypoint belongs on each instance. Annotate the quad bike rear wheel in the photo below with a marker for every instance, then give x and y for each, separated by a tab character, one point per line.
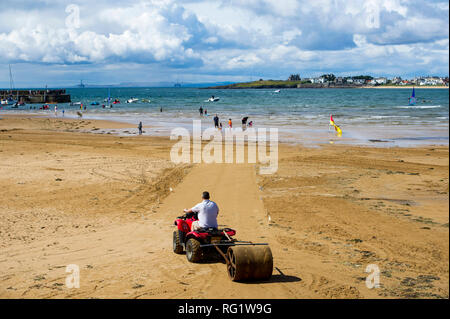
247	263
193	250
177	247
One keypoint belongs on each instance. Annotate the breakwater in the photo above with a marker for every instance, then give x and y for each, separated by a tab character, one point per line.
37	96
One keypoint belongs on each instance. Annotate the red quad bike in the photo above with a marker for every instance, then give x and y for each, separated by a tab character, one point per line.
245	260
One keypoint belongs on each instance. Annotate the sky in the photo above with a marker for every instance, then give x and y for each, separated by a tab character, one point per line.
58	42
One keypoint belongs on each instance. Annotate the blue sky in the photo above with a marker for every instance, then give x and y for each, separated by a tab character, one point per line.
224	40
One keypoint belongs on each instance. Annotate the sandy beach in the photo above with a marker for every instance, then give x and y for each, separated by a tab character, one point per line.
107	203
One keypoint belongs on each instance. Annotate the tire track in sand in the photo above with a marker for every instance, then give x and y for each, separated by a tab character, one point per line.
233	187
135	259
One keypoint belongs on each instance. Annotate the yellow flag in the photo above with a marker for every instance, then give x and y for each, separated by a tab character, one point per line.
338	130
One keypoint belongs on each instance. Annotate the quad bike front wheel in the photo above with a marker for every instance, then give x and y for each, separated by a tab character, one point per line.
247	263
177	247
193	250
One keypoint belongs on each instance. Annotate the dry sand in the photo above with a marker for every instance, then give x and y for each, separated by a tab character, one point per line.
104	202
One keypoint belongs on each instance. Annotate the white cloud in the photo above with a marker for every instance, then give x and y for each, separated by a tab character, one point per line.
148	32
232	37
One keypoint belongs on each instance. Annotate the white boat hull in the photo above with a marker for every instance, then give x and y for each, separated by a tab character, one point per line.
8	102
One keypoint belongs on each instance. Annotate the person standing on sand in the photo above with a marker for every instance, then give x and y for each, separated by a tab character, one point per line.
140	128
206	112
216	121
56	110
160	109
244	123
200	110
230	123
63	111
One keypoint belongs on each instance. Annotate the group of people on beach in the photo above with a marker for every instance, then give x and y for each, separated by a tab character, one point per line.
218	124
56	111
203	111
47	107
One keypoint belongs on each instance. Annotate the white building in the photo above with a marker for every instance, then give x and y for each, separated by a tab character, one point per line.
339	79
430	80
317	80
381	80
396	80
359	81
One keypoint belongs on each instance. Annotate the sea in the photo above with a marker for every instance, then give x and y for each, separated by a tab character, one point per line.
376	117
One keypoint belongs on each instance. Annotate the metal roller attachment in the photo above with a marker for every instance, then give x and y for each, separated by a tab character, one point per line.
249	263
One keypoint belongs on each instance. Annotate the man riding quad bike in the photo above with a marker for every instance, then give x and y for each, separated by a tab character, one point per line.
198	234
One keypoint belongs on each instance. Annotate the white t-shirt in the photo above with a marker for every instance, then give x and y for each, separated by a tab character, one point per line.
207	213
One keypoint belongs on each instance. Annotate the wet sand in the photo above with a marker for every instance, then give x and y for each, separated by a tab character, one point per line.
107	203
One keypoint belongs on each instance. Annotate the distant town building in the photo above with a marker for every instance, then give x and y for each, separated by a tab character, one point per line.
429	80
330	80
320	80
378	81
396	80
359	81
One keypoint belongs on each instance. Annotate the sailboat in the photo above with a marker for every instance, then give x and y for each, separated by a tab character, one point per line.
412	98
17	103
9	100
108	100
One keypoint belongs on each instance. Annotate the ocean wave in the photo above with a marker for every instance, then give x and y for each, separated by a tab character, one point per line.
419	107
378	117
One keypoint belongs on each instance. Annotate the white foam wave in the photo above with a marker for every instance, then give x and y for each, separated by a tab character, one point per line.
419	107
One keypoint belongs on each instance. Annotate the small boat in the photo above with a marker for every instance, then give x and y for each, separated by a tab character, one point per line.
116	101
75	103
145	100
95	103
277	91
17	104
132	100
213	99
8	101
